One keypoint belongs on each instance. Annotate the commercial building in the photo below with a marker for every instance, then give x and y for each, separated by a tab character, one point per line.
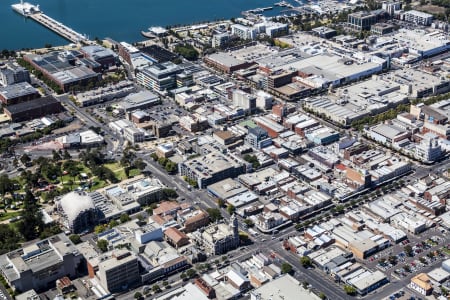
33	109
60	67
258	138
128	52
12	73
285	287
119	271
210	168
158	54
38	265
244	100
218	239
143	190
363	20
422	284
105	57
17	93
429	150
225	62
140	100
158	77
226	189
194	123
163	259
134	135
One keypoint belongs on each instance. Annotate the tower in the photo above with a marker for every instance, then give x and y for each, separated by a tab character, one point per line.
234	226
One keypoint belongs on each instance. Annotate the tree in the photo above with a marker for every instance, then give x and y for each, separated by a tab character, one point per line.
350	290
214	214
124	218
392	259
191	273
66	155
156	288
9	239
322	295
6	185
170	167
187	51
183	276
102	244
220	203
31	223
75	238
56	156
25	159
249	222
253	160
286	268
305	261
169	193
408	250
231	209
99	229
137	295
112	224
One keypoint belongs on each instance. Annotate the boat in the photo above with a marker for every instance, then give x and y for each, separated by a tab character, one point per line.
25	8
148	34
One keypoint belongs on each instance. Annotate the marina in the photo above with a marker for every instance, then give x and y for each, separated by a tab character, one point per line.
33	12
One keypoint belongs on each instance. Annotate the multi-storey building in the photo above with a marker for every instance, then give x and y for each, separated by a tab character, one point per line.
211	168
40	264
158	77
119	271
219	238
11	73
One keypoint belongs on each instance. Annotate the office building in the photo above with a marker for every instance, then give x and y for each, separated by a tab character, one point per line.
363	20
11	73
105	57
429	150
119	271
258	138
210	168
244	100
134	135
38	265
158	77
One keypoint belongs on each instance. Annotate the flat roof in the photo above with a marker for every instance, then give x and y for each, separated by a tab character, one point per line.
284	288
30	105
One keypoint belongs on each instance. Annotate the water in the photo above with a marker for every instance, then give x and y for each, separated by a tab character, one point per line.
121	20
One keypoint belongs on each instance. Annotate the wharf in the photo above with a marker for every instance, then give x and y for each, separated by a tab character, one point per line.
59	28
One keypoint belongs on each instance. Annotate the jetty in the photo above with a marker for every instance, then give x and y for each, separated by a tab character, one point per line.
33	12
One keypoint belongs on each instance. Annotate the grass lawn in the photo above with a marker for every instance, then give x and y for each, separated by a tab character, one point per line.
135	172
119	171
98	184
8	215
445	250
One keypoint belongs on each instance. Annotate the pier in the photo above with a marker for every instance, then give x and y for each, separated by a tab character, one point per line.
59	28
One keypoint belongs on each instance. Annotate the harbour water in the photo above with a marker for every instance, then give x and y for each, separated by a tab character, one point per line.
118	19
